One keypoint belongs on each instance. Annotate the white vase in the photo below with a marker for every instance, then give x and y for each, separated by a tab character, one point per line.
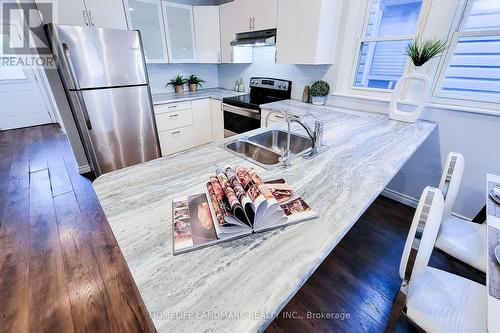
318	100
403	109
413	89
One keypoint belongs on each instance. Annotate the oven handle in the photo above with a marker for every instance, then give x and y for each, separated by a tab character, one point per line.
255	114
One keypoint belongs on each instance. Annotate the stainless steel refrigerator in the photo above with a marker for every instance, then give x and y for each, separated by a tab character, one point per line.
106	82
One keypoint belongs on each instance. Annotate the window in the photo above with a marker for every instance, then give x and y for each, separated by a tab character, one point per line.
391	25
472	67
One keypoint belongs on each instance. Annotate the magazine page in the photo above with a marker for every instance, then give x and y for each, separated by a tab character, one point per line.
232	198
294	207
222	212
242	196
192	223
257	191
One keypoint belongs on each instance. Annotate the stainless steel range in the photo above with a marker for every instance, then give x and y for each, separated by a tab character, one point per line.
242	113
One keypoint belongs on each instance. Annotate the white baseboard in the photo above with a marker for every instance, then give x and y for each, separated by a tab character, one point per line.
84	169
410	201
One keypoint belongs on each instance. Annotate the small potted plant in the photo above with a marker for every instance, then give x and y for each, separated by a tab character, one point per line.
193	82
421	52
178	83
319	91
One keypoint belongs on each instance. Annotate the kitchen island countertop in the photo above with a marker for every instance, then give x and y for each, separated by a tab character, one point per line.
239	286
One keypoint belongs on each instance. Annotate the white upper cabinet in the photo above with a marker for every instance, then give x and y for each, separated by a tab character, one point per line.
179	29
106	14
207	34
265	13
242	12
102	14
146	16
307	31
230	24
255	14
69	12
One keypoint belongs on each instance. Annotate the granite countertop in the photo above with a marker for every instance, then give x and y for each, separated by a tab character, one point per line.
216	93
239	286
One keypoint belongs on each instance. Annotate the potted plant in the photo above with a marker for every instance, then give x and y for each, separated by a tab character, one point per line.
421	52
178	83
193	81
319	91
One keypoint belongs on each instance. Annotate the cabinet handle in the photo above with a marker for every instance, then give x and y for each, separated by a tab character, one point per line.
176	132
250	23
253	23
279	116
85	18
174	115
172	107
91	18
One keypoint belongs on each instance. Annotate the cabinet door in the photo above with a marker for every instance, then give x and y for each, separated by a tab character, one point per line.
207	34
70	12
202	122
243	11
217	120
228	23
107	14
265	14
146	16
227	30
180	32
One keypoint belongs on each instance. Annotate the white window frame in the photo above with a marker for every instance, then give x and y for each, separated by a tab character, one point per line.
456	32
380	92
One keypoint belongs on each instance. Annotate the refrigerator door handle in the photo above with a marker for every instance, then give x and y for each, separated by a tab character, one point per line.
67	56
85	113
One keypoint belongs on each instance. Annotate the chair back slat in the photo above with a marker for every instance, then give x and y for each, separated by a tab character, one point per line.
450	180
422	234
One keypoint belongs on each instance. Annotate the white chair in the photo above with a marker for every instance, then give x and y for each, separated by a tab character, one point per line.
457	237
435	300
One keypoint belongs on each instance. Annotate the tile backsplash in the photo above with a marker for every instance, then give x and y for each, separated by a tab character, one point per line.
264	65
160	74
225	75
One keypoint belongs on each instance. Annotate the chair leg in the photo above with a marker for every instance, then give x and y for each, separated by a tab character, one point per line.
397	309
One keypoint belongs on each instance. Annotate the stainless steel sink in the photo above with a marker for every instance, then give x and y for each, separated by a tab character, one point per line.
277	140
254	153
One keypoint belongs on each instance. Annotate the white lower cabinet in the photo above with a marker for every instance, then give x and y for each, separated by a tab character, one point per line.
202	122
217	120
184	125
175	140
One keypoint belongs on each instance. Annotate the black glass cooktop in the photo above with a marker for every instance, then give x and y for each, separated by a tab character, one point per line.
250	101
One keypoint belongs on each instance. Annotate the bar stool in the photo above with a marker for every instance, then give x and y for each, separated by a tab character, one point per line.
432	299
461	239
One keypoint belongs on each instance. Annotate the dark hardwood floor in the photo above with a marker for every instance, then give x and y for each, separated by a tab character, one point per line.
61	269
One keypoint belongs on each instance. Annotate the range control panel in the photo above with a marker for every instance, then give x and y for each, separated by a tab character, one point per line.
268	83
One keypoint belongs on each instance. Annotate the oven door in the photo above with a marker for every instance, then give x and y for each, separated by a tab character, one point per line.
239	120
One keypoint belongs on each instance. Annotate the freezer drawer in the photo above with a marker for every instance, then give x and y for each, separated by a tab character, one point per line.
97	58
118	126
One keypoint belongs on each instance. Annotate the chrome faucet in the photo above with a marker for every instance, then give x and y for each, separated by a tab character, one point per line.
315	135
285	156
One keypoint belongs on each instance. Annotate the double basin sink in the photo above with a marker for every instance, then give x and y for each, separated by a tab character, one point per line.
265	148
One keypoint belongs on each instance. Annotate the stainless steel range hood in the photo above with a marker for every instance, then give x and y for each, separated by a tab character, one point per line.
255	38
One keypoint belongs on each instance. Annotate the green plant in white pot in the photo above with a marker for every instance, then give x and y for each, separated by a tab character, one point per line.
421	51
319	92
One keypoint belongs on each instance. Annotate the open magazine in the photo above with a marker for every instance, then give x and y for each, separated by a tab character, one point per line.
237	203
